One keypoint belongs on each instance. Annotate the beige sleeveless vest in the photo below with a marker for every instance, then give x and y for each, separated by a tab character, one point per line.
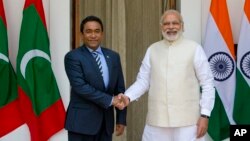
174	93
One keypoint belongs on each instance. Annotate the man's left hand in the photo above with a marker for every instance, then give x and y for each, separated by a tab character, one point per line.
119	129
202	126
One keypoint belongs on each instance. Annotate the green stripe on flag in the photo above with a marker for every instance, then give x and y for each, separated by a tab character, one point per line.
219	124
242	100
3	38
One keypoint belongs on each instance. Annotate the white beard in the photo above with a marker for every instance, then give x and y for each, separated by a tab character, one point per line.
171	38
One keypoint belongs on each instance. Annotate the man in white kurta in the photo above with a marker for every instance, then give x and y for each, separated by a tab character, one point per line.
173	71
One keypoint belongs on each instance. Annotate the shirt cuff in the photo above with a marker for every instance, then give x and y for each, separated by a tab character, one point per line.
205	112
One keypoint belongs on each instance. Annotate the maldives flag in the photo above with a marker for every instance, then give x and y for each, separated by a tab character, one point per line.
219	48
10	117
41	103
242	98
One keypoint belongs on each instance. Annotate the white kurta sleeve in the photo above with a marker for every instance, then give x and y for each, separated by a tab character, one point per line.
206	81
141	85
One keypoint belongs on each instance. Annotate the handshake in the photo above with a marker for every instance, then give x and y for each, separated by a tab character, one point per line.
120	101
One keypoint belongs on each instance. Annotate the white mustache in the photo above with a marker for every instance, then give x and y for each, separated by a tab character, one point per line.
171	37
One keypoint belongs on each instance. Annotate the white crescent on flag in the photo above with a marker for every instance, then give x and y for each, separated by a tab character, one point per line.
3	57
28	56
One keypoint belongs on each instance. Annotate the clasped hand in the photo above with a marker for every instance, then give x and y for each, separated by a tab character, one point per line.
120	101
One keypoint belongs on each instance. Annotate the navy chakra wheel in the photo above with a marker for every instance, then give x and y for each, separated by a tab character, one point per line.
222	65
245	64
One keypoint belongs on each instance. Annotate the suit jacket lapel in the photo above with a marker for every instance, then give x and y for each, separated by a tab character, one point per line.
90	58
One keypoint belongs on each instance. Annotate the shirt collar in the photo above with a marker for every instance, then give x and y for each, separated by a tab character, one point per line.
98	50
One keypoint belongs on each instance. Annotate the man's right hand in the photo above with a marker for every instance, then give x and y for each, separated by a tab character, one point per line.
121	101
117	102
125	99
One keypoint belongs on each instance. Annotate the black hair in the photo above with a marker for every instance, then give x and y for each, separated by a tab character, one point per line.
88	19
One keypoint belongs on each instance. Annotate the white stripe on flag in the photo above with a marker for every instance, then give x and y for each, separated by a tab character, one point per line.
244	49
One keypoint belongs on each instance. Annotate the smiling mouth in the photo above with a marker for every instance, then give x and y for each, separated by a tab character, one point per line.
171	32
93	41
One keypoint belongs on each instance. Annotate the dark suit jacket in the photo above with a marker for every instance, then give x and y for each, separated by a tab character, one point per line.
90	100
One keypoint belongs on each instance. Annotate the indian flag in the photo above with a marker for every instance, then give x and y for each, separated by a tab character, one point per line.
242	98
219	48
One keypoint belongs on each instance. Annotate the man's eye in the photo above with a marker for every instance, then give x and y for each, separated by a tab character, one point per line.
88	31
175	23
171	23
92	31
97	31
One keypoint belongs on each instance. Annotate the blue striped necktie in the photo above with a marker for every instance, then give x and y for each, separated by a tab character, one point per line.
98	61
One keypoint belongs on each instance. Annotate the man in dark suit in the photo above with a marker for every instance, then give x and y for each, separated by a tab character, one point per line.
96	78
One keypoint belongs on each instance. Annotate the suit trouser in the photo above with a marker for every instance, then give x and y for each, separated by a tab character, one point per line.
100	136
187	133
